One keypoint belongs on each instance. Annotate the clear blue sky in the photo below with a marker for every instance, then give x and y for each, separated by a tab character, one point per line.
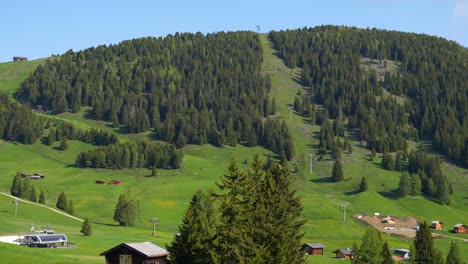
37	29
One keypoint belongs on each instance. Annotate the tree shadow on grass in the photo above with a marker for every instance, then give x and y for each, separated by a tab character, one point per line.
350	193
391	194
322	180
106	224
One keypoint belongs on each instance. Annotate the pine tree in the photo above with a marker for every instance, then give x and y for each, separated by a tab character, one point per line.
454	255
62	202
424	245
15	189
42	197
337	174
33	196
386	254
64	143
363	185
154	171
126	211
370	250
399	162
194	242
26	189
404	186
71	208
86	228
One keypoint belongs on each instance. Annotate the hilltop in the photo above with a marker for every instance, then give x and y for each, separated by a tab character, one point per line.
166	196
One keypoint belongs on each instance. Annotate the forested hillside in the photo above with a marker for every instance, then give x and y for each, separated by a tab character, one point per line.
188	88
428	90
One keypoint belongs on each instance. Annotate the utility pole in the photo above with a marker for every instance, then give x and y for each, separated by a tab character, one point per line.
311	155
16	202
344	210
154	221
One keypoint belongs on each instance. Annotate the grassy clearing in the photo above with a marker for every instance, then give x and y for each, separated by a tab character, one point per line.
13	73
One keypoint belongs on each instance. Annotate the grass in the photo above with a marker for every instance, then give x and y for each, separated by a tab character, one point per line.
167	195
13	73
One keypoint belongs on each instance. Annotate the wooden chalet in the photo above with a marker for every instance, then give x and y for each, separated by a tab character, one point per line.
388	220
460	229
437	225
18	58
129	253
100	182
115	182
313	248
44	240
346	253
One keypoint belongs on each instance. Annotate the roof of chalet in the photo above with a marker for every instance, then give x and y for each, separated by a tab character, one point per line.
345	251
436	222
459	225
315	245
146	249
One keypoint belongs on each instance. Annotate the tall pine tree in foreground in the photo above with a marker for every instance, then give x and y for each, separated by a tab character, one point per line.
194	243
425	252
337	174
86	228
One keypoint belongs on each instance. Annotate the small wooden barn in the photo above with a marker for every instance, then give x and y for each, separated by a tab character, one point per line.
437	225
388	220
346	253
460	229
129	253
100	182
18	58
115	182
313	248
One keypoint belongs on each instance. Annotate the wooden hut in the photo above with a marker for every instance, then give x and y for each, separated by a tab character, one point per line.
437	225
313	248
346	253
460	229
128	253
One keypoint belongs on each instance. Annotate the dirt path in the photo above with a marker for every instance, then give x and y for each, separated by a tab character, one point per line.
454	237
41	205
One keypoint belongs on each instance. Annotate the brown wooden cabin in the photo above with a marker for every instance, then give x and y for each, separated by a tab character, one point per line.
460	229
133	253
388	220
100	182
115	182
313	248
346	253
437	225
18	58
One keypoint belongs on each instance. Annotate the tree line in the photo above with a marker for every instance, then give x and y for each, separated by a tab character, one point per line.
430	79
187	88
255	217
133	154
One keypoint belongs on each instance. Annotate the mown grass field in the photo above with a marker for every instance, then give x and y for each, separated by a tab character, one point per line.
167	195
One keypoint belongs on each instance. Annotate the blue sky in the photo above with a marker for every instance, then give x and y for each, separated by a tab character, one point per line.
37	29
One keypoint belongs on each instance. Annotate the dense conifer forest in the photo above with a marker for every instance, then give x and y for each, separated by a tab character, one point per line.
424	98
187	88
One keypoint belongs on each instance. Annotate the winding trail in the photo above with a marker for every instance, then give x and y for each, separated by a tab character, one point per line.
41	205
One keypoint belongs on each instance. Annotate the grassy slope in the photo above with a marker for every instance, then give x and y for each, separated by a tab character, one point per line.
167	195
13	73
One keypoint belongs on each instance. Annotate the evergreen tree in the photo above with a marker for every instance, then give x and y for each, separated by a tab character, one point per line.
33	195
16	185
386	254
42	197
424	245
454	255
26	189
194	241
370	250
388	162
154	171
64	143
363	185
71	208
399	162
126	211
404	186
86	228
62	202
337	174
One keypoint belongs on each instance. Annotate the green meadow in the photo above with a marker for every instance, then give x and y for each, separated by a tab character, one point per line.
167	195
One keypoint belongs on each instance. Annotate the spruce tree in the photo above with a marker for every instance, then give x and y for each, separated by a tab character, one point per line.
363	185
194	241
404	186
15	189
71	208
370	250
386	254
424	245
26	189
126	211
86	228
62	202
154	171
33	195
337	174
63	143
454	255
42	197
